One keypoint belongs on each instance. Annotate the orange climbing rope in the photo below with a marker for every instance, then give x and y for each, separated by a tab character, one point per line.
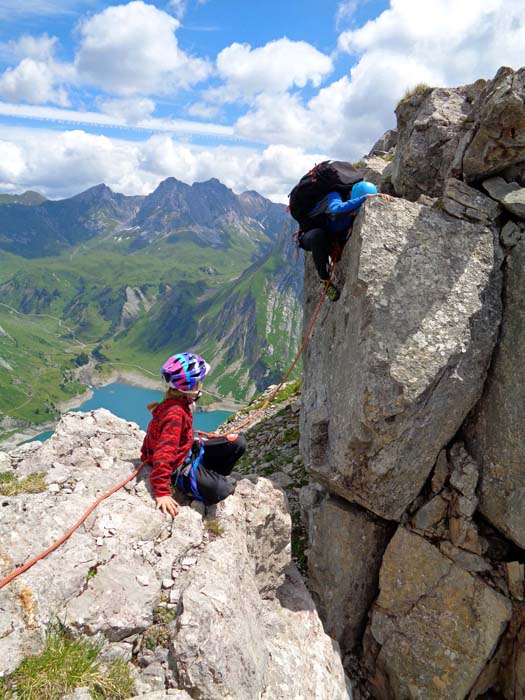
20	570
67	535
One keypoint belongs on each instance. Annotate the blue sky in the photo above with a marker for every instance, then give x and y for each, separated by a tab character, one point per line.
250	92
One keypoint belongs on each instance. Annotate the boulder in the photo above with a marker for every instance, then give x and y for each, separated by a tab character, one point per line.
510	194
498	135
510	234
465	202
430	126
433	627
394	366
385	144
344	559
377	170
495	433
207	611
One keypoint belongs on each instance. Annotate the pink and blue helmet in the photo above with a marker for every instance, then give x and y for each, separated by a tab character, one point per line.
184	371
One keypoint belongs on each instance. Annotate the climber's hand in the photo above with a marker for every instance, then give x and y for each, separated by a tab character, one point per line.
167	505
386	197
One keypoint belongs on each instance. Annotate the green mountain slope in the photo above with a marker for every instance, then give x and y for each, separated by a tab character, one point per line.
218	279
37	359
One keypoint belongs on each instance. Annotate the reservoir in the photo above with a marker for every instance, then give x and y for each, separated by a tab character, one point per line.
129	402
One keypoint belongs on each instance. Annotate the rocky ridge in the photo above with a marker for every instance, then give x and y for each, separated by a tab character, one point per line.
208	605
411	422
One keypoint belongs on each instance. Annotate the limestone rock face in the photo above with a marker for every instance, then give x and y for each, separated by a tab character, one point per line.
233	615
397	363
499	132
433	627
496	431
467	203
430	128
343	565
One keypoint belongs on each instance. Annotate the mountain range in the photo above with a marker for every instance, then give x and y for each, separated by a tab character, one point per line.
122	281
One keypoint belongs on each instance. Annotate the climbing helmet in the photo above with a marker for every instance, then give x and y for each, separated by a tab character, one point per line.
362	188
184	371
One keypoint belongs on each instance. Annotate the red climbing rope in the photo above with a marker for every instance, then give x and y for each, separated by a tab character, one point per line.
67	535
20	570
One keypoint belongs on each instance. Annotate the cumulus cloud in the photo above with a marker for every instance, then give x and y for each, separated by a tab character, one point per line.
35	82
40	48
132	50
438	42
455	41
61	164
38	78
273	68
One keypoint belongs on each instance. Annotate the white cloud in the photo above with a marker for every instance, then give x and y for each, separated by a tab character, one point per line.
132	110
40	48
54	114
455	40
36	82
178	7
132	50
438	42
273	68
12	162
10	9
201	110
64	163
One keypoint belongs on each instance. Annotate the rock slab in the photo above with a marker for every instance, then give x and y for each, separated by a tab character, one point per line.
496	430
434	626
394	367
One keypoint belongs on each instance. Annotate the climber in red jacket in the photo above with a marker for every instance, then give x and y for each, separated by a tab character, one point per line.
198	468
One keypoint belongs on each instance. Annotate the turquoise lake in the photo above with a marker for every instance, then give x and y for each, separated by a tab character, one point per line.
129	402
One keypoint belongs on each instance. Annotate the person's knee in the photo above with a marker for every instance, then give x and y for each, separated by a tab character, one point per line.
221	490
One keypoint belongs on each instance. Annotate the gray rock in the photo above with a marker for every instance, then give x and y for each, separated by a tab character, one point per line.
515	173
243	619
495	434
386	143
412	335
510	234
510	194
466	560
373	168
465	471
498	138
343	564
430	514
226	610
424	620
171	694
441	472
465	202
515	574
431	126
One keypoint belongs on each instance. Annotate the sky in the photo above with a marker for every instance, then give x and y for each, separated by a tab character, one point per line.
253	93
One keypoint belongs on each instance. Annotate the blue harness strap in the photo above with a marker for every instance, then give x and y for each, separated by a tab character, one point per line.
189	470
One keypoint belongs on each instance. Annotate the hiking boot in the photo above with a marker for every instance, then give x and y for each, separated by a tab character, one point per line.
332	292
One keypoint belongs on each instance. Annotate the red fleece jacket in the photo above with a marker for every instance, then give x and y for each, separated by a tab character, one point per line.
168	440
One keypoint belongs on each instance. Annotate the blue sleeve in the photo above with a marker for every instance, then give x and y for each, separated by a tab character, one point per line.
335	204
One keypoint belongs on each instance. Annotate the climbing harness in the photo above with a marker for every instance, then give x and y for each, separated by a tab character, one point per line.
186	474
193	466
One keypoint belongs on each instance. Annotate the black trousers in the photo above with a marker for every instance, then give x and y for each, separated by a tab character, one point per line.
322	245
317	242
218	460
